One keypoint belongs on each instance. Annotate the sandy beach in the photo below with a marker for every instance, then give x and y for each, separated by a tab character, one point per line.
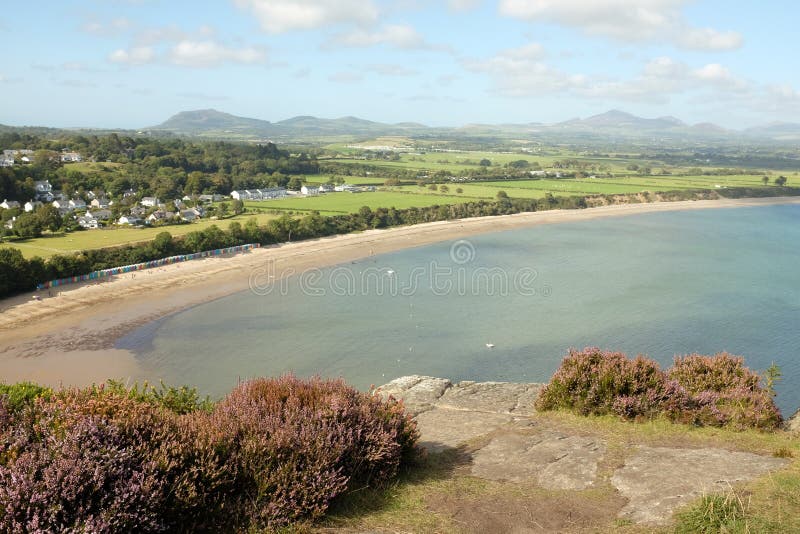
68	337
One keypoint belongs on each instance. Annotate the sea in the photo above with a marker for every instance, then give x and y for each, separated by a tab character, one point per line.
507	306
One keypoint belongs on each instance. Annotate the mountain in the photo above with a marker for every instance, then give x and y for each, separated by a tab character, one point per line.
776	130
620	120
614	124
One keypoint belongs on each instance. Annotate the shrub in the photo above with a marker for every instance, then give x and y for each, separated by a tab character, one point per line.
701	390
116	459
22	394
299	444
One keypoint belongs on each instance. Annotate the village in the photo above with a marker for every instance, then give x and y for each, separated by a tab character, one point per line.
96	209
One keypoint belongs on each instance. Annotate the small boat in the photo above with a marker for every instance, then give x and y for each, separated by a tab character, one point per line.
490	345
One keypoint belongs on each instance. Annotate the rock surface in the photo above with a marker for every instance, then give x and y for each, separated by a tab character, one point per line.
793	423
657	480
552	459
496	425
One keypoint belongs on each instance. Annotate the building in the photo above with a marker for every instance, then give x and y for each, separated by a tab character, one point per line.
44	191
149	202
77	204
216	197
310	190
100	215
63	206
9	204
189	215
32	205
326	188
88	222
258	194
160	215
70	157
100	202
132	220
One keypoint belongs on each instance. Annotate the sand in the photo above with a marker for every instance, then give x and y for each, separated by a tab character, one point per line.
68	337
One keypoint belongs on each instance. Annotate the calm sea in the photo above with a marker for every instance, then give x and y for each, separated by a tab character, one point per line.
507	306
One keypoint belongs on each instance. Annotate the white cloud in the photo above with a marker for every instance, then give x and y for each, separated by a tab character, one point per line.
210	53
398	35
138	55
709	39
107	29
279	16
625	20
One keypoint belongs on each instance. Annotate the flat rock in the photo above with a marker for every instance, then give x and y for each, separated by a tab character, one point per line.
497	397
550	459
657	480
418	393
441	428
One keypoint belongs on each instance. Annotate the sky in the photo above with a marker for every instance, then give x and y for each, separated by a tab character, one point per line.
134	63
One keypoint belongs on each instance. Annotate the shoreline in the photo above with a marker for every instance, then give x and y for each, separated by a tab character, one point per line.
69	338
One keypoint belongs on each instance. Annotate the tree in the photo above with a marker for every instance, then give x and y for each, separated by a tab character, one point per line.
485	163
223	209
295	183
49	217
237	206
28	225
501	195
162	244
765	179
780	181
459	190
444	189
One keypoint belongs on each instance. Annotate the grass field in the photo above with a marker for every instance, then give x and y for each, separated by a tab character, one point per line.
45	247
338	203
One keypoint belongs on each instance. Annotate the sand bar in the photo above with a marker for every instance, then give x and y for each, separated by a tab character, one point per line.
81	322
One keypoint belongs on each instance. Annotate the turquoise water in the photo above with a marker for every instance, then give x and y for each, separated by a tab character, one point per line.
658	284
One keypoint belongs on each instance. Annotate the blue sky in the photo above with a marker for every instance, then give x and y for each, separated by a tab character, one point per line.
134	63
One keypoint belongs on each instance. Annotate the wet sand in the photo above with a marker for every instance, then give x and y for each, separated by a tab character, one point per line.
67	338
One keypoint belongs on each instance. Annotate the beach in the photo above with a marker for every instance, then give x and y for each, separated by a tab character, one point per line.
67	336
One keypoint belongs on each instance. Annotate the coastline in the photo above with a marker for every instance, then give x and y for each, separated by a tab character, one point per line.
68	338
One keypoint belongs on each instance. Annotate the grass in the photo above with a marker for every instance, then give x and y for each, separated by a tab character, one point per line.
338	203
44	247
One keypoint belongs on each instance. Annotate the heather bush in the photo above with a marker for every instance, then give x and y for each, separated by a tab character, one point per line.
298	444
597	382
116	459
702	390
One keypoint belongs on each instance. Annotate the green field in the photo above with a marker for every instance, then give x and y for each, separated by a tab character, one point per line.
47	246
339	203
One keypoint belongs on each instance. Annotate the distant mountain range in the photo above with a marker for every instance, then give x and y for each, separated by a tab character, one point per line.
614	123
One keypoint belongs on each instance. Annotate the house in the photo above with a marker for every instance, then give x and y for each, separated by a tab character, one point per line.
100	202
10	223
216	197
257	194
100	215
32	205
310	190
77	204
239	195
160	215
138	211
326	188
63	206
9	204
189	215
91	195
178	203
44	191
132	220
149	202
88	222
6	161
70	157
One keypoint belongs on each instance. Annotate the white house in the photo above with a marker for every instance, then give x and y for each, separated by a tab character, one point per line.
310	190
160	215
70	157
216	197
77	204
6	161
32	205
149	202
88	222
62	205
326	188
189	215
258	194
100	202
129	220
9	204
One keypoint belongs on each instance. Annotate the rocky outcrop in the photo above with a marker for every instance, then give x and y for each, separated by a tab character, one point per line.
496	425
793	423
